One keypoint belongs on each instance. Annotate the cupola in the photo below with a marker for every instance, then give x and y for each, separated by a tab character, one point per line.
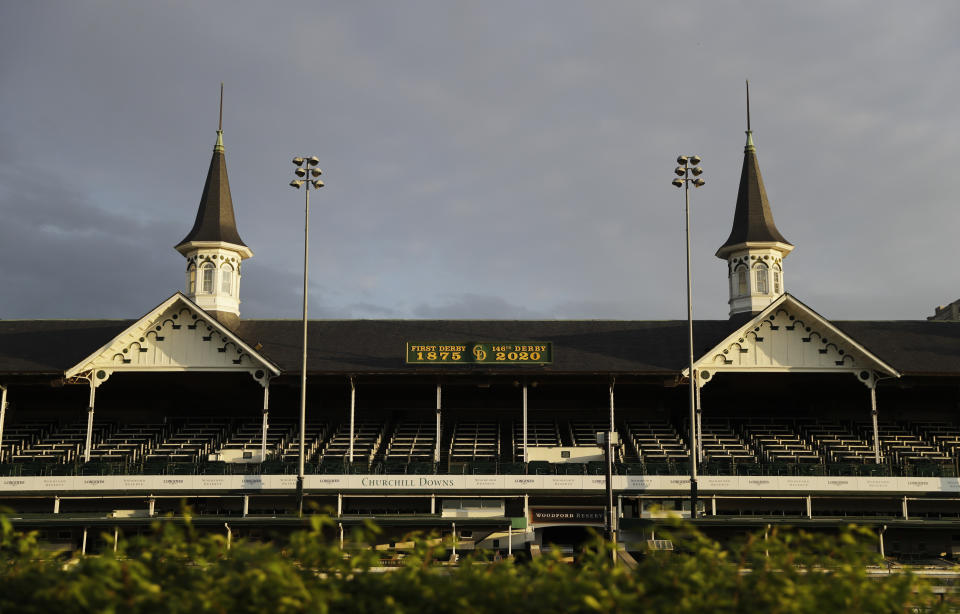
755	249
213	247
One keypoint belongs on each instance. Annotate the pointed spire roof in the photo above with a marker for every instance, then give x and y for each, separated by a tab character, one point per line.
215	220
752	220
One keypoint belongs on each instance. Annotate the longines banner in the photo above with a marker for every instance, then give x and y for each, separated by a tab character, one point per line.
465	353
651	484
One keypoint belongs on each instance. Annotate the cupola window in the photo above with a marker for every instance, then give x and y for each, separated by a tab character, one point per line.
763	286
776	282
207	273
741	280
226	280
192	280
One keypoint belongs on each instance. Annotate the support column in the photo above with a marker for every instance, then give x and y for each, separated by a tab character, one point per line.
339	505
436	454
89	441
697	390
525	421
454	541
56	505
906	512
809	506
873	416
883	530
510	539
246	505
151	507
353	406
713	505
83	547
266	420
3	416
340	524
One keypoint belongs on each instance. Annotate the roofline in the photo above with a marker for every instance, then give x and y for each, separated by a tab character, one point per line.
269	364
186	246
726	250
798	303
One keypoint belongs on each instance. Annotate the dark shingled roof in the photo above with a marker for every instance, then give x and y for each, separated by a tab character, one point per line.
752	220
377	346
215	220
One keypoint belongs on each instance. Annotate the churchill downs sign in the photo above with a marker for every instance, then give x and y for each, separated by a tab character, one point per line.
459	353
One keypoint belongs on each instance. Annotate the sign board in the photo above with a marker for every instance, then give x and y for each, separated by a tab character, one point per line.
566	515
469	353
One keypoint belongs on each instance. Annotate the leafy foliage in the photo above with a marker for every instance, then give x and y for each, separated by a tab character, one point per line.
178	569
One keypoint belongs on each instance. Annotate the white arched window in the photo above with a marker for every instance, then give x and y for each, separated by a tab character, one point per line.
207	273
763	286
226	279
192	279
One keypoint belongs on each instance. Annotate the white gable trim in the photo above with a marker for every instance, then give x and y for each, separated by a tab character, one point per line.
788	336
167	340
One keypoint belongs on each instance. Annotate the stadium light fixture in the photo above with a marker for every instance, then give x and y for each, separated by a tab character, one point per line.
688	173
305	166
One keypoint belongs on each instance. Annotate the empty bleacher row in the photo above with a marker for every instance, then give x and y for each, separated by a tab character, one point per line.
747	445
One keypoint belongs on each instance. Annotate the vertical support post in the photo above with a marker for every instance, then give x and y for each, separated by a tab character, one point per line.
353	408
608	449
809	506
713	505
246	505
692	375
3	416
303	365
151	507
526	507
436	453
339	505
525	459
510	539
266	419
873	416
229	534
56	505
454	541
699	420
116	537
883	530
906	513
433	504
89	441
83	546
340	524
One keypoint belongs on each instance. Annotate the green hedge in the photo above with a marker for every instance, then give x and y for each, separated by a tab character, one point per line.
179	570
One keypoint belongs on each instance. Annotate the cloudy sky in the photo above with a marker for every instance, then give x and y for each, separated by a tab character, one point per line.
483	159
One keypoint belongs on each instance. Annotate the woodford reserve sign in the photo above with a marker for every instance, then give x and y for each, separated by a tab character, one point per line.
460	353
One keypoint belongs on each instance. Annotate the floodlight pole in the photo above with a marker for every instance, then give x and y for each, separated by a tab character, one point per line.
684	179
305	167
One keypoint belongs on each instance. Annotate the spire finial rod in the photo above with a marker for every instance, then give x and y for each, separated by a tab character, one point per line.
748	105
220	125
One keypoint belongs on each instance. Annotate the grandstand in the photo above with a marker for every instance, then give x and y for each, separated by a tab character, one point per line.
487	429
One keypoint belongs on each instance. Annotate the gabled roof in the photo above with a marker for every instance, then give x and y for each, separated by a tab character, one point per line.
177	335
752	220
215	218
47	348
790	336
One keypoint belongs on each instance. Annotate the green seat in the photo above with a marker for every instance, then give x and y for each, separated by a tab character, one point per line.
483	468
540	468
331	466
182	468
273	467
571	468
154	467
600	468
421	468
457	468
513	468
394	467
214	468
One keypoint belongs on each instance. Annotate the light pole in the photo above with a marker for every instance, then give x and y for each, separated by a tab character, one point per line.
689	172
306	168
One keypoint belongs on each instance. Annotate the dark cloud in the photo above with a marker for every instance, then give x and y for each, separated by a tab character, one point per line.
516	152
